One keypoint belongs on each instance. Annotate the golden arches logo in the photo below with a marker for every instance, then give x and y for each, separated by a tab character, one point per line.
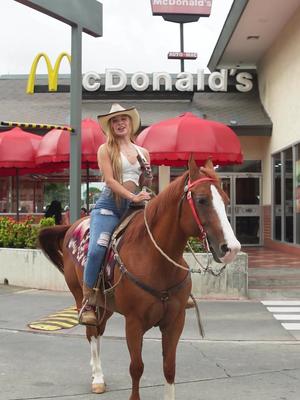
52	72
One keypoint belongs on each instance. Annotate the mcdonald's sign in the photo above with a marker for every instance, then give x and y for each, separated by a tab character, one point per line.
52	72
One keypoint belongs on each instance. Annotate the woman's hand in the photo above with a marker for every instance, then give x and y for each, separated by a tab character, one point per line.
141	196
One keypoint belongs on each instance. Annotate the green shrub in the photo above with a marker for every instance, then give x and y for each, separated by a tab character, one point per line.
196	245
21	234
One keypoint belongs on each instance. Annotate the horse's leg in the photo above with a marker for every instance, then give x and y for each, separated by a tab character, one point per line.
170	337
134	337
93	335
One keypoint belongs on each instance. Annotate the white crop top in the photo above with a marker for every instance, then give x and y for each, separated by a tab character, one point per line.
131	172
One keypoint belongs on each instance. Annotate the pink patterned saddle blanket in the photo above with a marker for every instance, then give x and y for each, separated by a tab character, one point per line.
78	248
79	243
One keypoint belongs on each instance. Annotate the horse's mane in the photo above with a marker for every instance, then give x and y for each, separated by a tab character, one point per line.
156	208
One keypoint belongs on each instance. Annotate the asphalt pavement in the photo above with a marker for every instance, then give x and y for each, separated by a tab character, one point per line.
247	353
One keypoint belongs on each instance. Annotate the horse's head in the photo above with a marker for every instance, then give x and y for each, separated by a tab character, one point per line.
207	215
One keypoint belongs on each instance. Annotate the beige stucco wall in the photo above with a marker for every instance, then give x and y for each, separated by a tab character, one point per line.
279	85
257	148
254	147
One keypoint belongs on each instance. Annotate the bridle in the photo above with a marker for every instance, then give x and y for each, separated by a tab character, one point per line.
189	196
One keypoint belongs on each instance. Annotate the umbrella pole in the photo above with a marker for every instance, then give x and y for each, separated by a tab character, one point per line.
88	188
17	194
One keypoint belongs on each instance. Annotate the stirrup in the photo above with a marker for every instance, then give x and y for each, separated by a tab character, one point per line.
85	309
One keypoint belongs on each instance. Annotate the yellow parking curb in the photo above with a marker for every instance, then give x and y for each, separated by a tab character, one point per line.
65	319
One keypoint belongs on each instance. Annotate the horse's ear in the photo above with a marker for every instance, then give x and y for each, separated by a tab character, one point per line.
209	170
209	164
193	168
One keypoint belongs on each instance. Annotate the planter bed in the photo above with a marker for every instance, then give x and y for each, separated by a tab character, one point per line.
30	268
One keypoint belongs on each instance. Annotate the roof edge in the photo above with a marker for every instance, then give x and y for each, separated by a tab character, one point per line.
229	26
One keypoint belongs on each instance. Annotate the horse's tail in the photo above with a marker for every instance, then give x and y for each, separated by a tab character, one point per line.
50	241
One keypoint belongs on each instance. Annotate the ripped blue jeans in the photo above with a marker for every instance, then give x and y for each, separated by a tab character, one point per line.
104	218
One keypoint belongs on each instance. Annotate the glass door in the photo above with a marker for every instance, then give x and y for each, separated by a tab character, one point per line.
247	209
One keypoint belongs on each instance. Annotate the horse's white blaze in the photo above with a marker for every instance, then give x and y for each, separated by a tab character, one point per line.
233	244
96	361
169	391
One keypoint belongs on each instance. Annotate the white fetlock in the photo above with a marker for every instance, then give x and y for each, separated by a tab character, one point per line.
98	384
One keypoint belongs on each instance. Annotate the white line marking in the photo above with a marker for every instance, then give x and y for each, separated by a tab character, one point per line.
281	303
283	309
287	317
291	326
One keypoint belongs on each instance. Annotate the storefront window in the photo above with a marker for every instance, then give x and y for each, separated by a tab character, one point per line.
288	195
176	171
277	167
246	166
154	186
297	193
5	194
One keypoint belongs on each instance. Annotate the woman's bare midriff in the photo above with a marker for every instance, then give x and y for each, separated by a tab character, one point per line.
131	186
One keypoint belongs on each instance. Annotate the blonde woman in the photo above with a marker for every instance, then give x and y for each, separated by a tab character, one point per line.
125	168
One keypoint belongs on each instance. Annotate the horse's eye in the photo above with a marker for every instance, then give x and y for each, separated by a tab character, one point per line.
202	201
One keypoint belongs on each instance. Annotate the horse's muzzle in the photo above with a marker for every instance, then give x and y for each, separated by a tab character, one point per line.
229	252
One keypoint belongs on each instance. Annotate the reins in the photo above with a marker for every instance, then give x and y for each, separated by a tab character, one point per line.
157	246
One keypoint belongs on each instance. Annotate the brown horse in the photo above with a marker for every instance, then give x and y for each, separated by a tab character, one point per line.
158	292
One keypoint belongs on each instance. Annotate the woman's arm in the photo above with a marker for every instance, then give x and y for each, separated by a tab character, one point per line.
105	165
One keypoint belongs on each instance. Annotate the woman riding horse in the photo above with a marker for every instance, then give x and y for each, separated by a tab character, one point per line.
123	175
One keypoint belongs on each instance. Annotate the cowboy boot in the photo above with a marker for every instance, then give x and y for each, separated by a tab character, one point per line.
87	315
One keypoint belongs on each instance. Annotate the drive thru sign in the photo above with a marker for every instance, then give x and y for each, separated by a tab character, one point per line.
201	8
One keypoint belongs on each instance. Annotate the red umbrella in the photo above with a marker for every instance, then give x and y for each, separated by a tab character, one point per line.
17	155
171	142
55	147
17	149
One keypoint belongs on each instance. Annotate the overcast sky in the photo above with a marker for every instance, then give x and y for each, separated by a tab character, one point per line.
133	39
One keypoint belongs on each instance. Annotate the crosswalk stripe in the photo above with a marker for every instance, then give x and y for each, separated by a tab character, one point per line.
287	317
281	302
291	326
283	309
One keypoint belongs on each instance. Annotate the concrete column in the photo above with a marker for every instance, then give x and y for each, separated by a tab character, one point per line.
163	177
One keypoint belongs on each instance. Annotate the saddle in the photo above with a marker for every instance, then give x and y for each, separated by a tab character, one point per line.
79	242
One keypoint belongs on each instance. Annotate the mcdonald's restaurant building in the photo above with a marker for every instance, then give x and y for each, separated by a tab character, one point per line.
253	88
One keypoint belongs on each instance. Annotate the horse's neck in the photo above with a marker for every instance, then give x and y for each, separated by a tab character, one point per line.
167	231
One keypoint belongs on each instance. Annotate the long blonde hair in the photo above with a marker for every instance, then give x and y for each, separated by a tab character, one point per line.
113	148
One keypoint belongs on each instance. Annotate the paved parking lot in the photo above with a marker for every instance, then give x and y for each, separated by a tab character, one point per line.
247	354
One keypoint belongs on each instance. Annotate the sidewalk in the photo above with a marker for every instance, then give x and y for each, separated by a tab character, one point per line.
262	257
272	274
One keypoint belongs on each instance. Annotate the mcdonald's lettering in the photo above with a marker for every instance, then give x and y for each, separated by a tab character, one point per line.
52	72
116	80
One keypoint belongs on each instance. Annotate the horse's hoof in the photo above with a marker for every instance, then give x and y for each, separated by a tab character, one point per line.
98	388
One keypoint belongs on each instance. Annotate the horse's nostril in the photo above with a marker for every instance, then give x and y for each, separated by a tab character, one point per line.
224	248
